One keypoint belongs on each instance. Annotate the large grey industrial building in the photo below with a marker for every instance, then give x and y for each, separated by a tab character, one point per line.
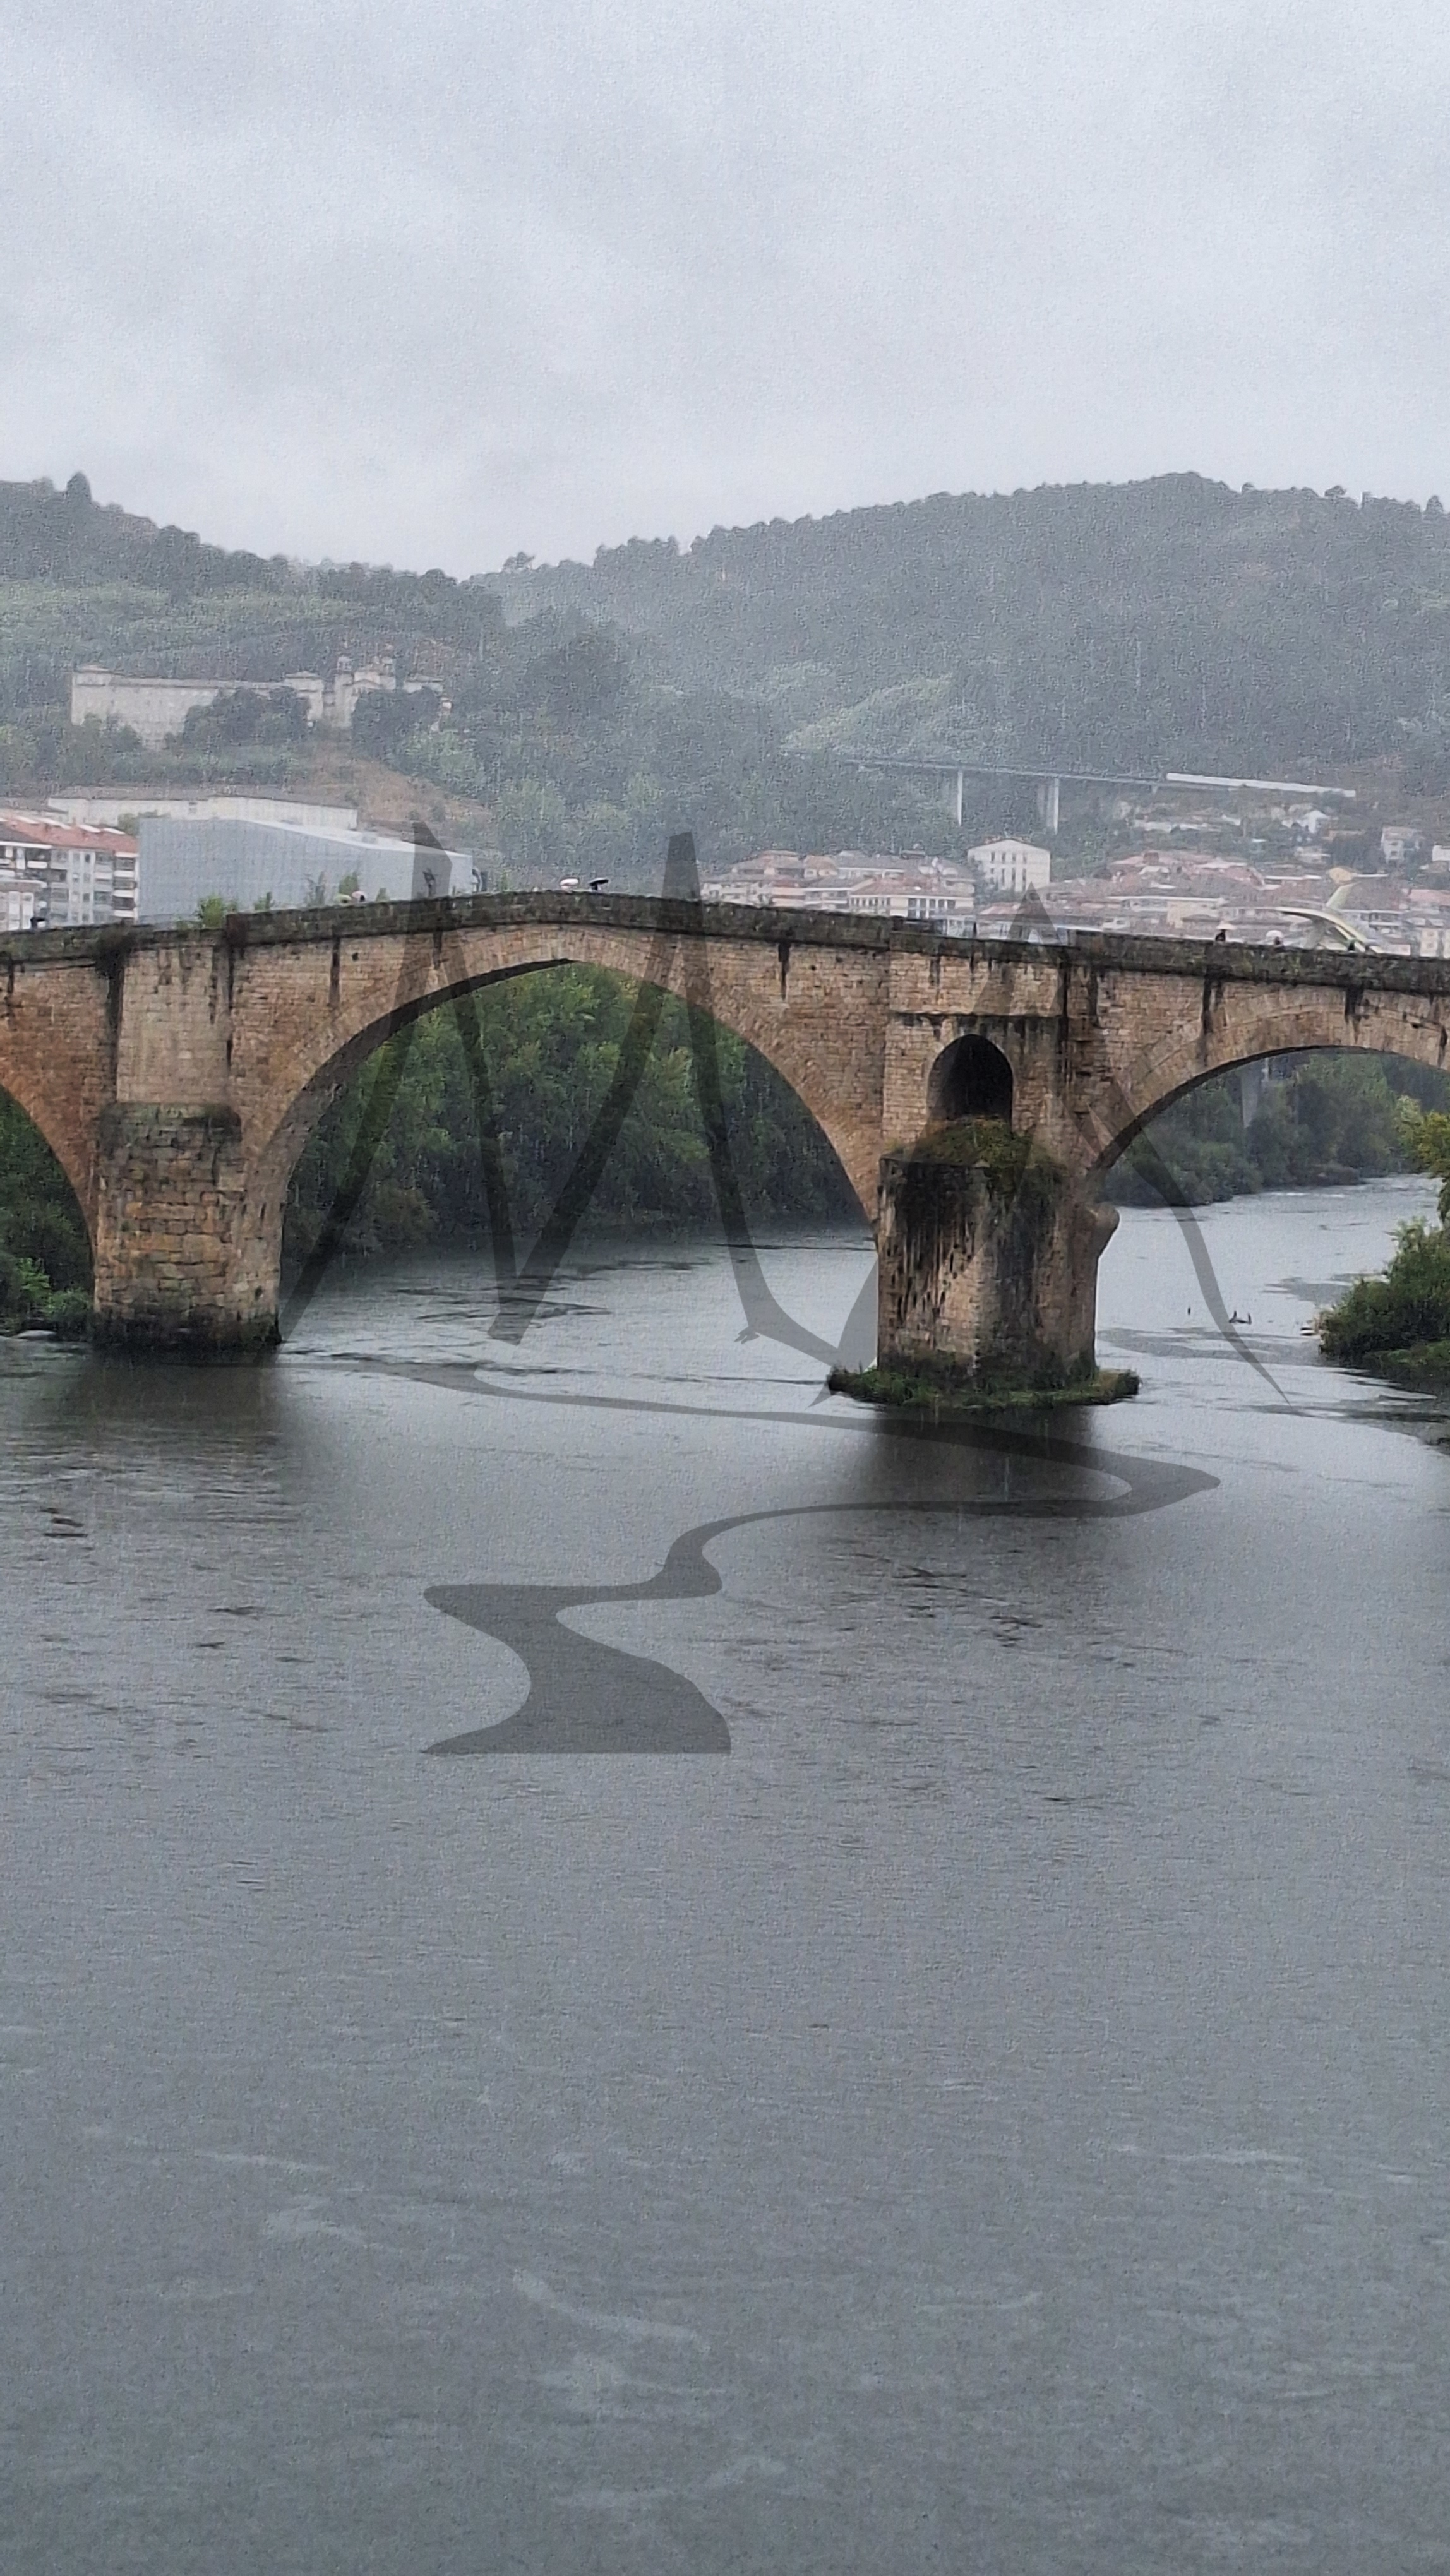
246	863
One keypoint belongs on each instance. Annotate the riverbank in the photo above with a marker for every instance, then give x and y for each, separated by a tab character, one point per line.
1422	1366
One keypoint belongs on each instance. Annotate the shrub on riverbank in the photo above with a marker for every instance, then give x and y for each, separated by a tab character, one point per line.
1407	1307
1399	1324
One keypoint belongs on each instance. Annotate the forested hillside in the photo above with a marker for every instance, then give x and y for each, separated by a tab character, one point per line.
1172	623
579	714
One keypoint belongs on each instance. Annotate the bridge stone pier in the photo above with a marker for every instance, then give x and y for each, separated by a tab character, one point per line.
975	1092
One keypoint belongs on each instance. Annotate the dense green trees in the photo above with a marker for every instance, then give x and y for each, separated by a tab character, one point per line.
550	1046
1399	1324
1336	1118
384	719
237	716
1167	624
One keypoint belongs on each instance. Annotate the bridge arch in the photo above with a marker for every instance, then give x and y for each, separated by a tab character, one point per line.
33	1093
1264	1025
47	1244
455	979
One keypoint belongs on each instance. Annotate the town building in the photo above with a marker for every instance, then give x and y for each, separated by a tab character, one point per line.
123	810
1010	867
907	886
1155	892
1400	845
17	902
1429	916
75	872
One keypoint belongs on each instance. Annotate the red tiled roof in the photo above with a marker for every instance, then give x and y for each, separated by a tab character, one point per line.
45	832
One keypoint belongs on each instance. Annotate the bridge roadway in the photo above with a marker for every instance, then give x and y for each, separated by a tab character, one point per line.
177	1073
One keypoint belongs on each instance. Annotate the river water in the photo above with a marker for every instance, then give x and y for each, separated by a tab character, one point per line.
909	2031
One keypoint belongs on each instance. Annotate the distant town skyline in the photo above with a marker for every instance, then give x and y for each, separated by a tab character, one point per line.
441	285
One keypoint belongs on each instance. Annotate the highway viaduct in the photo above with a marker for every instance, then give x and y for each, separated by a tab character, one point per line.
975	1091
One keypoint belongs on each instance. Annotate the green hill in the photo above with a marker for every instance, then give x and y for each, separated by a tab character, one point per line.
1172	623
1165	624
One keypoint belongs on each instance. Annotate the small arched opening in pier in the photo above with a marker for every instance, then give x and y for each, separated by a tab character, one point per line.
970	1079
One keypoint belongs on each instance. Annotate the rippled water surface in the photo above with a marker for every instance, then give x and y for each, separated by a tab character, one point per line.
611	1965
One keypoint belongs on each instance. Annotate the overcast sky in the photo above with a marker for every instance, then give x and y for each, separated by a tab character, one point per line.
431	281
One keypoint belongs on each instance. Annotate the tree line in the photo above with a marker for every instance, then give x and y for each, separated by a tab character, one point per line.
1320	1119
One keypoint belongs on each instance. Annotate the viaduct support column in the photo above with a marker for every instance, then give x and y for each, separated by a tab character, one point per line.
179	1263
988	1258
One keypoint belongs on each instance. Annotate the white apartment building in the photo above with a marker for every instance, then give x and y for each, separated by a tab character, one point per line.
78	875
17	903
1010	867
941	901
245	863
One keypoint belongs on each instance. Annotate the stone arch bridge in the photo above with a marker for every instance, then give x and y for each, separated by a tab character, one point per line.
975	1091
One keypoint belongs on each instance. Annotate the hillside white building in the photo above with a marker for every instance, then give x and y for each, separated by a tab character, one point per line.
155	709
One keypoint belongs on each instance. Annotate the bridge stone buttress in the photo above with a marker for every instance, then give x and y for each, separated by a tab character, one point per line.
974	1092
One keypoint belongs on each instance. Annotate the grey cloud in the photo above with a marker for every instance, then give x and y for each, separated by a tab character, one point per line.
429	284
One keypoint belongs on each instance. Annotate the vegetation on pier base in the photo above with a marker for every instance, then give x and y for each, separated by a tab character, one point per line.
981	1144
939	1392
